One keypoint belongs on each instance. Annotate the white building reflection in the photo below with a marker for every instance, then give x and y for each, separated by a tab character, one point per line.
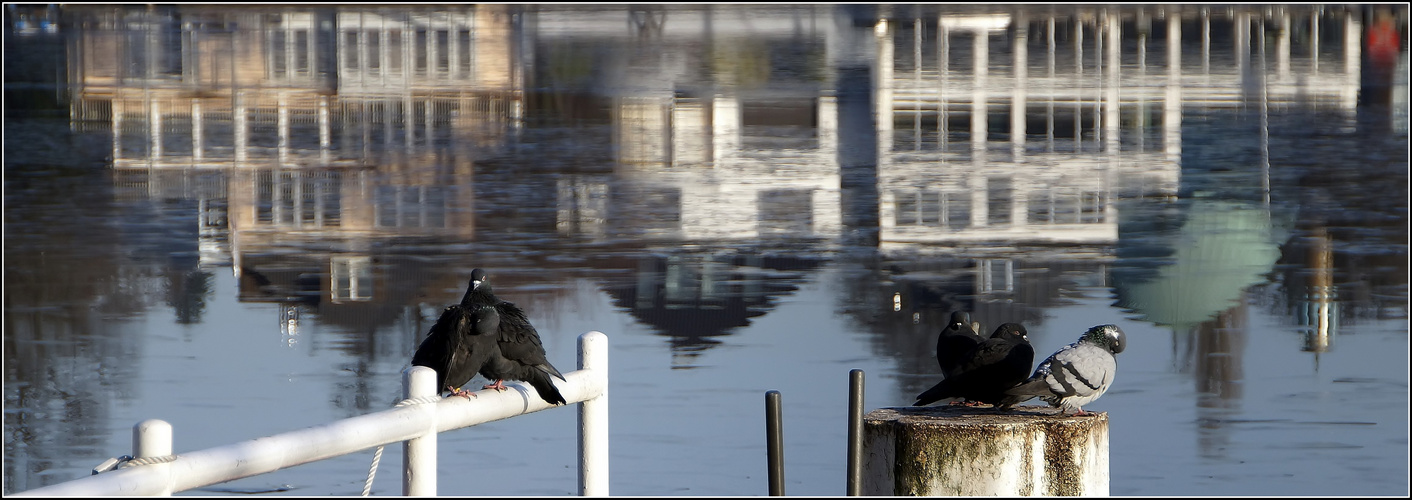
290	109
991	128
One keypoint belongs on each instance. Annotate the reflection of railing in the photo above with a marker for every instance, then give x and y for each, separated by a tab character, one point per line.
416	425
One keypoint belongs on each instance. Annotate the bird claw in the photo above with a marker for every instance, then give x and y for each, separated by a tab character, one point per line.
461	392
499	386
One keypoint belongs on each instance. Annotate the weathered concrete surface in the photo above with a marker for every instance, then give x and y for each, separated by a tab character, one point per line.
964	451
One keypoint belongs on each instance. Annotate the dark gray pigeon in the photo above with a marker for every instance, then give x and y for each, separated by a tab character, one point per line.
458	345
521	355
955	343
997	364
1075	375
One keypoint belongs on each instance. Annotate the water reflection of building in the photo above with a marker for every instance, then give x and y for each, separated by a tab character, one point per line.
214	87
733	137
695	298
68	339
298	100
1083	115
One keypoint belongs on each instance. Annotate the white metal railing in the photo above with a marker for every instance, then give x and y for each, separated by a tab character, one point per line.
416	425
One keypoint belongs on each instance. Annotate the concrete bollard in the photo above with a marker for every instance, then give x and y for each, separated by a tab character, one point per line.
966	451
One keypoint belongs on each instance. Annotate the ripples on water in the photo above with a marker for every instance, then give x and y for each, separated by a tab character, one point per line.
240	221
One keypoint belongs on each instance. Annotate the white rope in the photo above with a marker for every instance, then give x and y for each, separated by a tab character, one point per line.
377	455
126	461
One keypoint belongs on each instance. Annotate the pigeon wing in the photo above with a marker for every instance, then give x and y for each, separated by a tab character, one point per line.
519	342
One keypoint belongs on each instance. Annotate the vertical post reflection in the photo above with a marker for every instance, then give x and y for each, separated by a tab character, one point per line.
883	85
1319	309
943	41
1172	106
1112	107
198	144
1020	69
979	96
860	123
1053	94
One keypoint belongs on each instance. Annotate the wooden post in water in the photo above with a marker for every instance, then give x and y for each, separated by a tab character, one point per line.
965	451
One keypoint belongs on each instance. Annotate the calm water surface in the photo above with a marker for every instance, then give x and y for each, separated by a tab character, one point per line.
244	220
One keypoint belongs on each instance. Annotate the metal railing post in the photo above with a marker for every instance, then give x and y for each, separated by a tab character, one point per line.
593	418
854	483
413	423
153	438
774	443
419	453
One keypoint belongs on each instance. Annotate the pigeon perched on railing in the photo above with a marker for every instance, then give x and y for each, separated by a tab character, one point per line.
521	355
1075	375
955	343
997	364
458	345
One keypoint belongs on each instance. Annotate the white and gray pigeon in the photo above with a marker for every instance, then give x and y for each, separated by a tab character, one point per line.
1075	375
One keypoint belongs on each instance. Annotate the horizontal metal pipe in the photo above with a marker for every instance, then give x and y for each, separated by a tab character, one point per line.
267	454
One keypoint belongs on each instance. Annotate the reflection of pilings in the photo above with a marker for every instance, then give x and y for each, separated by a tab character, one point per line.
980	54
1111	119
117	133
1282	46
725	127
1172	106
1264	120
242	128
917	31
1314	44
858	155
1079	84
1220	349
1318	314
154	127
1049	112
943	40
1098	62
198	131
325	141
1352	46
1241	34
883	86
282	128
1018	105
1206	41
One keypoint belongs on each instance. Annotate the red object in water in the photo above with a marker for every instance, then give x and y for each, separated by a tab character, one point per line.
1383	42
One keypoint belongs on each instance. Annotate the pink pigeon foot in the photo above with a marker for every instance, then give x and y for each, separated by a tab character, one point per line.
499	386
461	392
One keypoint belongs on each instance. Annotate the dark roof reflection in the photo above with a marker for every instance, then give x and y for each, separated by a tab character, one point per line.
695	297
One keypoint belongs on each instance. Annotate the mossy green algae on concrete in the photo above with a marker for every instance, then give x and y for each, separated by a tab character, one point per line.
982	451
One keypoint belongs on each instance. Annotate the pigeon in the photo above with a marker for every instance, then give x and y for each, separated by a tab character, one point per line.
521	355
955	343
458	345
999	363
1075	375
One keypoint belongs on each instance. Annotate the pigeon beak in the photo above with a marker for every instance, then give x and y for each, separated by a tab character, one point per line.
476	284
